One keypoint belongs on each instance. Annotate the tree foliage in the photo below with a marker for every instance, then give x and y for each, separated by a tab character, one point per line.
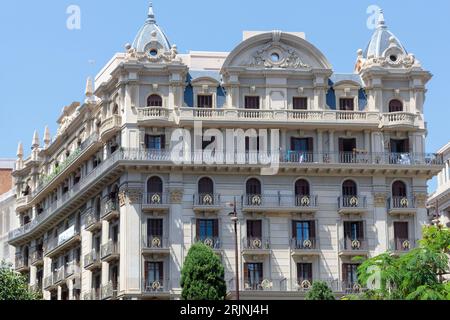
202	277
320	291
416	275
14	286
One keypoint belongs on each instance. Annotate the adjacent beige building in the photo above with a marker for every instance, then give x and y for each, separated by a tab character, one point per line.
7	210
109	207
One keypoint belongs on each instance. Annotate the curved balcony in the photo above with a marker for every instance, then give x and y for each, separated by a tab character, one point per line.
110	127
22	203
399	120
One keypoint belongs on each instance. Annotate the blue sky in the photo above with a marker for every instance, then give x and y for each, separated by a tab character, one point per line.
44	65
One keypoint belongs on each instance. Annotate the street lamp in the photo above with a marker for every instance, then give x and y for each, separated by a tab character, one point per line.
234	219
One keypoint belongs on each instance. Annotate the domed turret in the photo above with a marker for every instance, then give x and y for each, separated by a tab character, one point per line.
151	38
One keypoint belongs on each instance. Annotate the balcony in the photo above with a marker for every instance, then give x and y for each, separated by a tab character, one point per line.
48	282
156	288
22	264
279	203
259	287
155	245
110	210
110	291
92	261
93	294
399	120
22	203
72	270
305	247
400	246
352	205
212	242
154	115
353	247
350	287
155	202
110	251
92	220
65	240
401	206
110	127
256	246
59	276
37	258
207	203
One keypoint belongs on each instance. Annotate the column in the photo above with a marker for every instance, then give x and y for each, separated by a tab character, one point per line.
105	240
320	146
332	149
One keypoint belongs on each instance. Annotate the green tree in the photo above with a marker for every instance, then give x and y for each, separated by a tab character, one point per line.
202	277
320	291
416	275
14	286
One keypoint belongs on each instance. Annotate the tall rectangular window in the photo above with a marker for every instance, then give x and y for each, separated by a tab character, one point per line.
253	276
302	231
207	228
354	230
205	101
300	103
155	227
347	104
251	102
350	274
304	272
254	229
154	272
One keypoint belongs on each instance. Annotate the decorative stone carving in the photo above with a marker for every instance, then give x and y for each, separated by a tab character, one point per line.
176	196
122	199
134	196
276	55
421	200
69	114
380	200
154	53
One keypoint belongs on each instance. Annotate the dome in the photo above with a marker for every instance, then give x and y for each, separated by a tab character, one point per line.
151	36
382	40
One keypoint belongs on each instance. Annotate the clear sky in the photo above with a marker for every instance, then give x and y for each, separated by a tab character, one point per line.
44	65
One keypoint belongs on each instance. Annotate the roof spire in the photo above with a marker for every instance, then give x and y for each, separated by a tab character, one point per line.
47	137
35	142
20	150
151	14
381	21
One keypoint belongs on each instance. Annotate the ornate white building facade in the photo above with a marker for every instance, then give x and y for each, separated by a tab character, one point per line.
105	212
439	201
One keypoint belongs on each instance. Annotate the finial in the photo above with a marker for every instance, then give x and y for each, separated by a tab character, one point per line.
381	21
89	87
20	150
47	137
35	142
151	14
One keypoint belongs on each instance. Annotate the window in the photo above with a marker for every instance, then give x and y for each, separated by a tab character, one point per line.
251	102
300	103
154	185
400	146
399	189
304	272
205	101
302	188
154	228
347	104
401	234
154	101
395	106
254	230
302	232
207	229
400	152
253	276
253	187
155	142
154	275
205	186
354	230
302	150
349	189
349	275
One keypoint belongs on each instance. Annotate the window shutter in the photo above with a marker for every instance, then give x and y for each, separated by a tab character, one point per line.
146	270
216	228
345	272
294	229
163	142
310	145
257	229
341	145
361	229
147	141
245	272
161	271
312	229
197	228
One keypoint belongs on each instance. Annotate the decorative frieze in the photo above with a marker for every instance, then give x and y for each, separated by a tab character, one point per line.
380	200
421	200
176	196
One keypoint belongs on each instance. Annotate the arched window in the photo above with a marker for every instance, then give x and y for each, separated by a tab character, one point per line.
253	187
302	188
395	106
349	189
205	186
399	189
154	101
154	186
